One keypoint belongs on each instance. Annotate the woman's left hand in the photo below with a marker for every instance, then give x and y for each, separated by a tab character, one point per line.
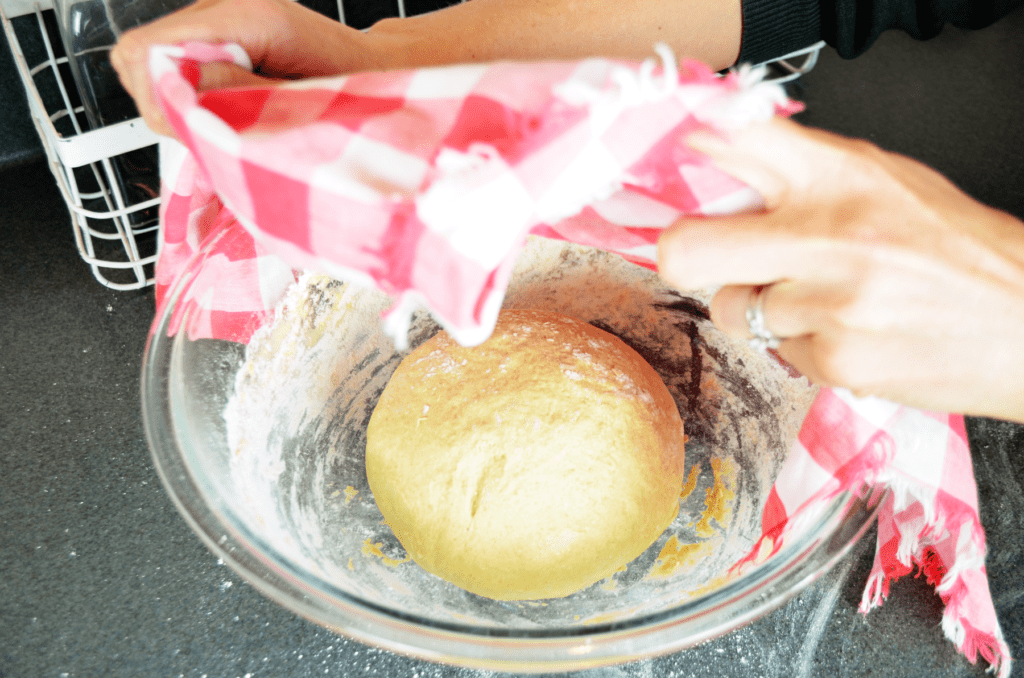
882	276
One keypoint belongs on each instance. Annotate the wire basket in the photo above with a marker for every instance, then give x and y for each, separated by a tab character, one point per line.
109	176
114	222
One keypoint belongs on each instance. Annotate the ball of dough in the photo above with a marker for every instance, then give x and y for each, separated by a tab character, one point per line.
528	467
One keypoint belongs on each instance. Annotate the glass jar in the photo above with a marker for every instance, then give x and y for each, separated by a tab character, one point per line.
89	30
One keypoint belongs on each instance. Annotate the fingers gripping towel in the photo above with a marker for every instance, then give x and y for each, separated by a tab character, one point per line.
425	183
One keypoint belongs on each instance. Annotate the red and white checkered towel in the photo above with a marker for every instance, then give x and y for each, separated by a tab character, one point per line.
426	183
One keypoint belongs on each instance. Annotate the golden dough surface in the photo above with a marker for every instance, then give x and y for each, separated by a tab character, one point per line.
528	467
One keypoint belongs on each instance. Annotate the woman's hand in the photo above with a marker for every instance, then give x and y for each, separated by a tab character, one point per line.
884	277
284	40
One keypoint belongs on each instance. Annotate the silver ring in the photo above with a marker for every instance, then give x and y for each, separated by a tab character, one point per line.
763	338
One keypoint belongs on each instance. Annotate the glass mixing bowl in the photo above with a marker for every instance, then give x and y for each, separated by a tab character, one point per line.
261	448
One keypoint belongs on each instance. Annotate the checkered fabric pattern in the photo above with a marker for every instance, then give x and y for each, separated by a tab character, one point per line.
928	519
425	183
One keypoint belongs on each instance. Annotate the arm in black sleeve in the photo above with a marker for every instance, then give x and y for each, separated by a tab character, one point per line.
772	28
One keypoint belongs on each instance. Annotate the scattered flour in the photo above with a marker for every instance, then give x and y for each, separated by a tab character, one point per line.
311	377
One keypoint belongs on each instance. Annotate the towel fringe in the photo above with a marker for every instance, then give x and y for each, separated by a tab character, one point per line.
916	547
971	642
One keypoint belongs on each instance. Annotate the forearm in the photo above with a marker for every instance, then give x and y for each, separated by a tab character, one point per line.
490	30
286	41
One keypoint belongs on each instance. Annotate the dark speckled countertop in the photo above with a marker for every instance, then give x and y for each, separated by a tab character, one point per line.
99	576
19	142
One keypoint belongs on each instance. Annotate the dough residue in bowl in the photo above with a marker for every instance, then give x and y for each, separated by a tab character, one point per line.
311	378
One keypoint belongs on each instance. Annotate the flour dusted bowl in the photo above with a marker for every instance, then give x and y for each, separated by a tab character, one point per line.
261	448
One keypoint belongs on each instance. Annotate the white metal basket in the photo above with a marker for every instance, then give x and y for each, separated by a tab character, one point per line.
115	231
115	223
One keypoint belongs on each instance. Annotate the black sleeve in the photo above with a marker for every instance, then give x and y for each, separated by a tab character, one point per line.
773	28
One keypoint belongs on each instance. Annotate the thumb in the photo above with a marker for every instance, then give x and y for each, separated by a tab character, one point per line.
222	74
214	75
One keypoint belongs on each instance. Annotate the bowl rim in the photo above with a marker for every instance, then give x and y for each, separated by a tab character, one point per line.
761	589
